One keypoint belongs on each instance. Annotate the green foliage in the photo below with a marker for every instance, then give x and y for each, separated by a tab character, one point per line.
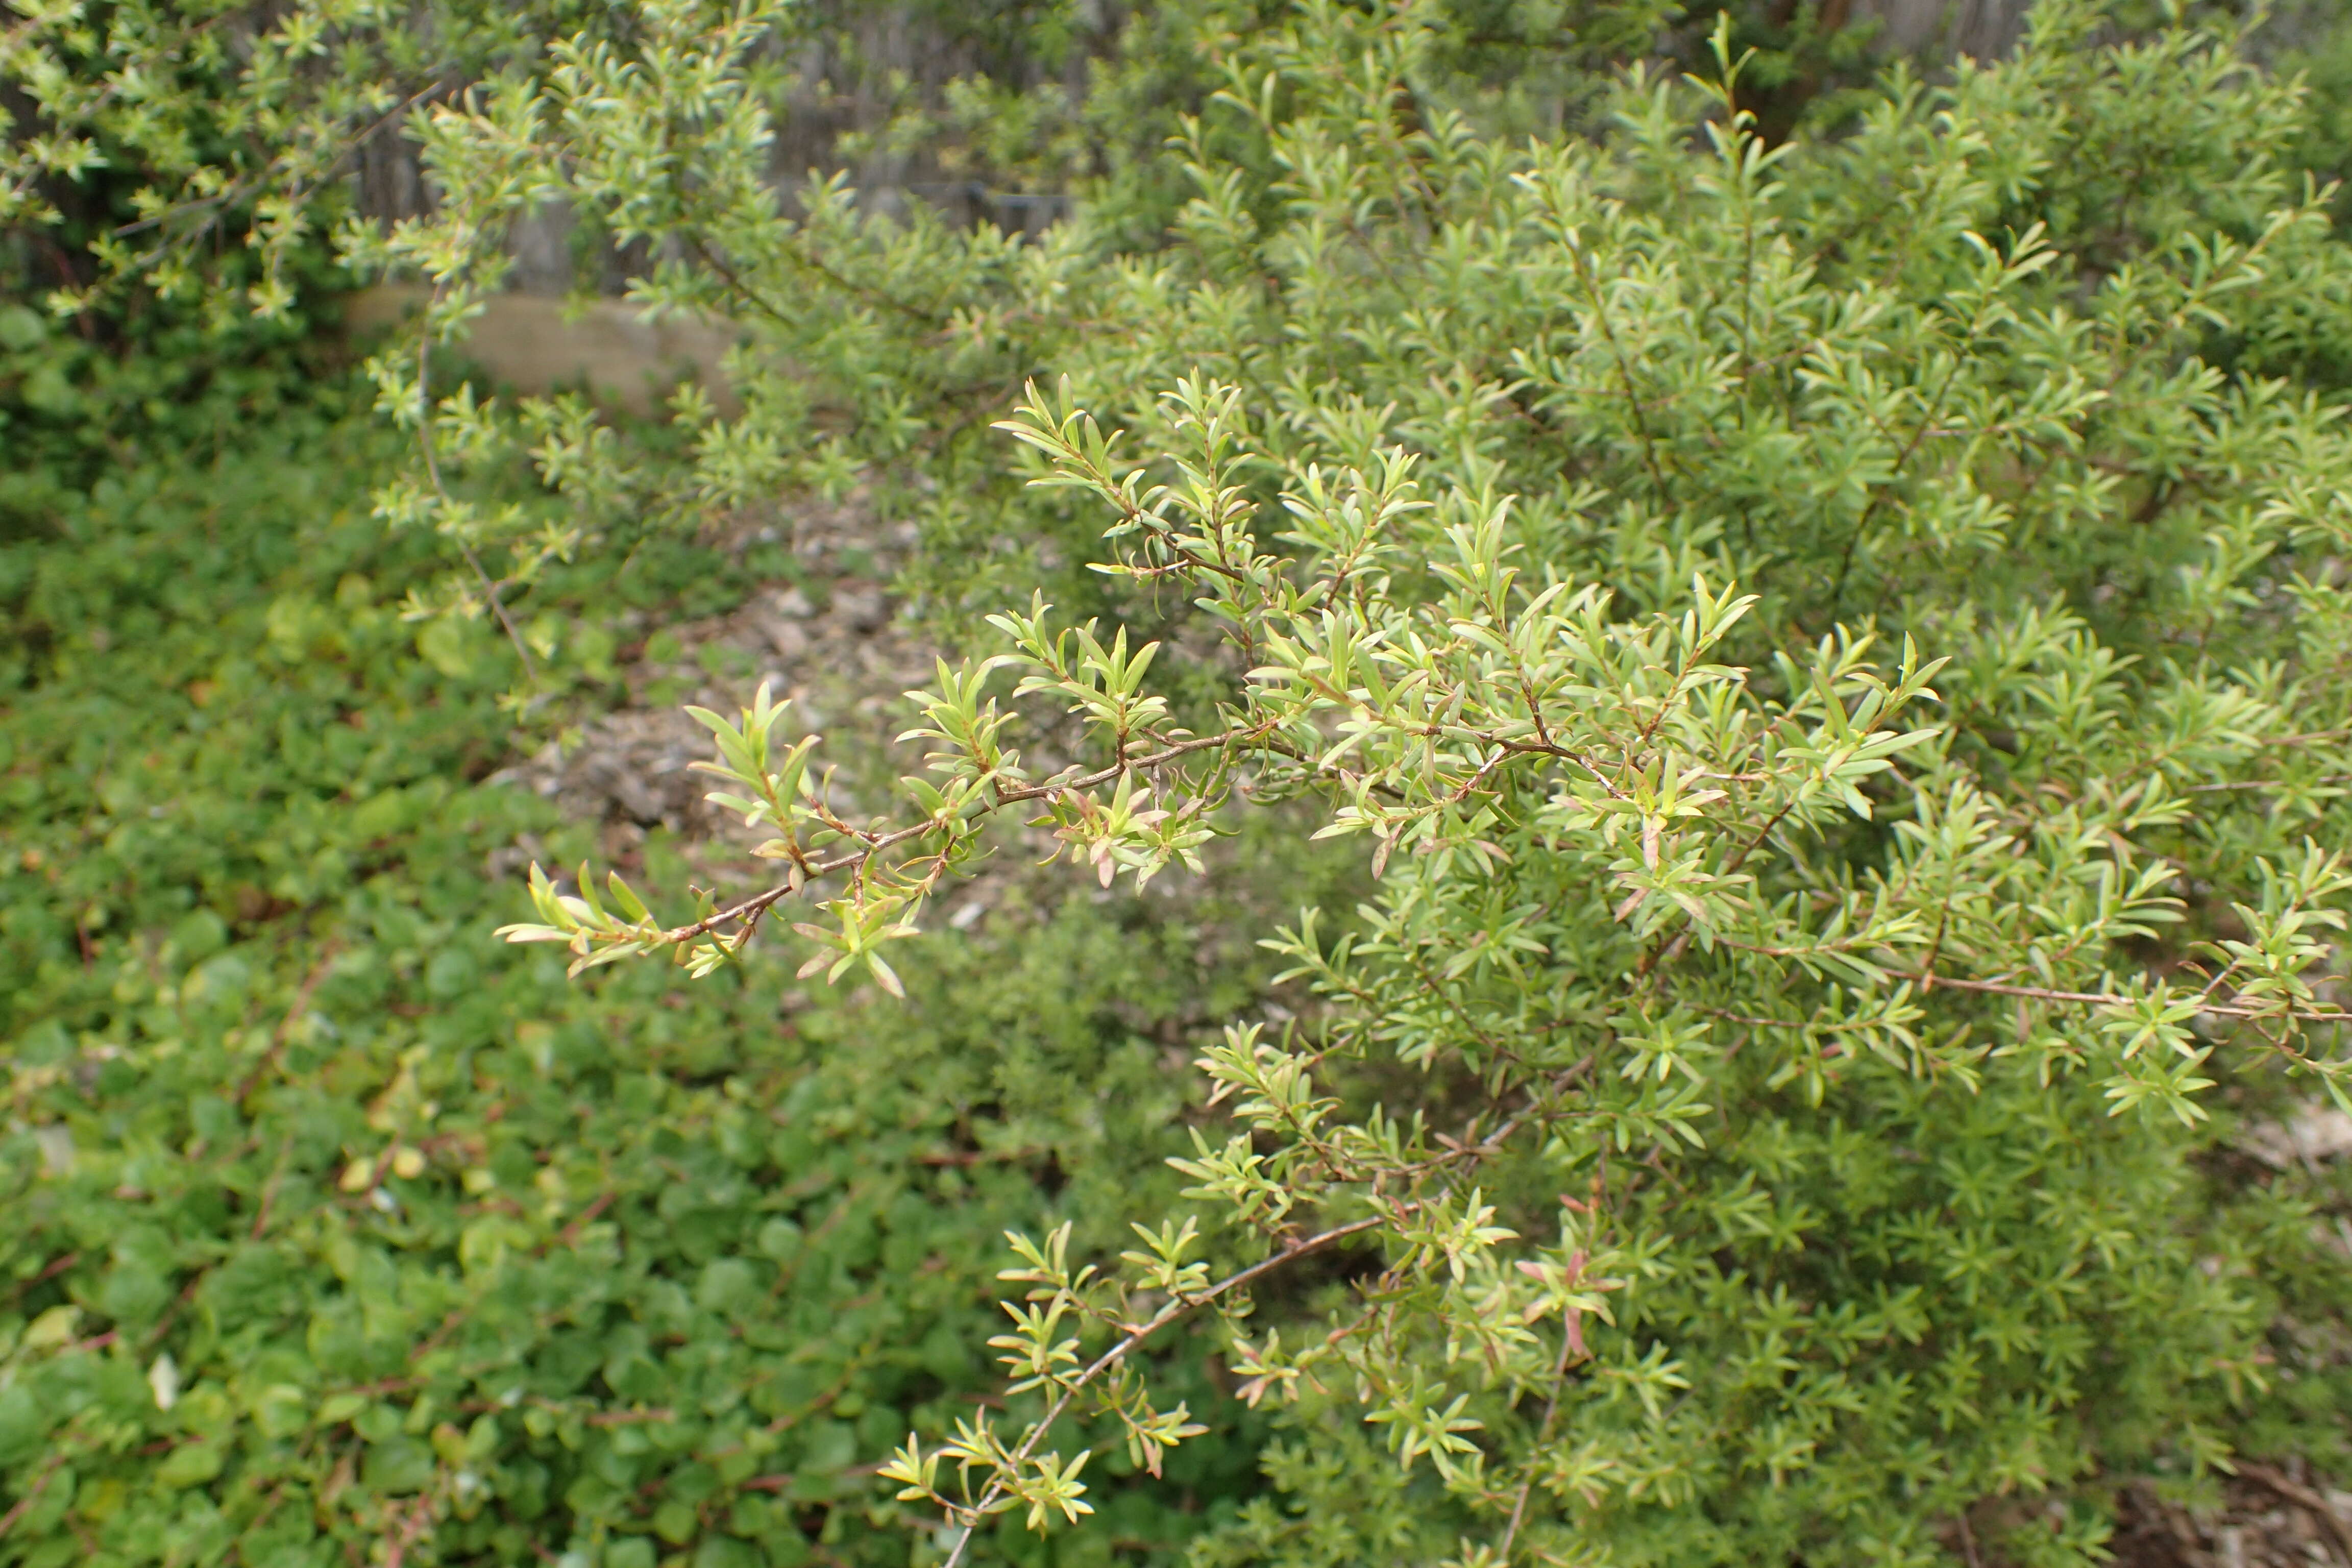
1770	1078
335	1229
74	408
203	150
1832	649
1339	172
154	141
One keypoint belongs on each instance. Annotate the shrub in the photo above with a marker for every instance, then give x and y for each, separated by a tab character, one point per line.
203	157
1761	1112
1831	650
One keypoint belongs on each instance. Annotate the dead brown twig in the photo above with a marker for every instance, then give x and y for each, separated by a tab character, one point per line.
2305	1498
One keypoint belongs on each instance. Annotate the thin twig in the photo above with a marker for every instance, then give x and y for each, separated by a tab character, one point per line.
295	1012
57	1266
1968	1539
2110	998
2268	783
420	1514
269	1189
238	193
760	903
1756	843
1119	1352
2303	1498
1903	461
433	472
48	1472
1578	260
1543	1434
760	303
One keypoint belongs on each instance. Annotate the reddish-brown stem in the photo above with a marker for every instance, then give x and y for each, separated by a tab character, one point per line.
2109	998
1119	1352
760	903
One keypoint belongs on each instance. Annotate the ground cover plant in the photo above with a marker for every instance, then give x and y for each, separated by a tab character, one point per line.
333	1233
1831	648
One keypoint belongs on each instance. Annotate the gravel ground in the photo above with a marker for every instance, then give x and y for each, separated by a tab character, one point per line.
2271	1517
837	645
